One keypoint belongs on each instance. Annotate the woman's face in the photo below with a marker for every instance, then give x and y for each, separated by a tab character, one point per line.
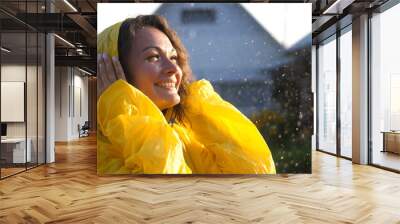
154	67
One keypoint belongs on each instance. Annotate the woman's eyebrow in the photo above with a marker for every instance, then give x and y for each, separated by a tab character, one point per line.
158	48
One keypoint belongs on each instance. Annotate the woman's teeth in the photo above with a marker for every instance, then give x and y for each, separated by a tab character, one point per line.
167	85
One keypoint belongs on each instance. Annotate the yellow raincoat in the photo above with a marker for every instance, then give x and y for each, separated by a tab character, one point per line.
134	136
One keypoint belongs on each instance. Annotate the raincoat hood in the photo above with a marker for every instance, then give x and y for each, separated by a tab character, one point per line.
107	40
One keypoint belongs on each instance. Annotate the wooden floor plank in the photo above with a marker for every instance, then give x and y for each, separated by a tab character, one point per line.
69	191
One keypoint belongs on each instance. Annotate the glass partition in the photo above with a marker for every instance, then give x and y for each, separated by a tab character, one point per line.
22	90
346	92
13	104
327	95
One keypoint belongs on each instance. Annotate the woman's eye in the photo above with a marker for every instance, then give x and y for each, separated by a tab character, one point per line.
174	58
153	58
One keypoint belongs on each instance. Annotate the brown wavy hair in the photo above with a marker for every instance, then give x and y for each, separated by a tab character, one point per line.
127	33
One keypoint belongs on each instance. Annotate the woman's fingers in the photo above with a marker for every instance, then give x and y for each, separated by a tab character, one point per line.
100	75
108	71
118	68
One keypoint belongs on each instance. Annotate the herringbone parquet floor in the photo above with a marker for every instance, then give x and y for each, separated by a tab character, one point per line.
69	191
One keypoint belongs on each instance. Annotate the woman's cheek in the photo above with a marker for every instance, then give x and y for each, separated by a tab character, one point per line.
152	71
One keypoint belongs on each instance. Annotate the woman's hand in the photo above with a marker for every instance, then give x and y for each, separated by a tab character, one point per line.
108	71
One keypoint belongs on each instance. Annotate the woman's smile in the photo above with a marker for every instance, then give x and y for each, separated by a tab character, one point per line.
167	85
167	89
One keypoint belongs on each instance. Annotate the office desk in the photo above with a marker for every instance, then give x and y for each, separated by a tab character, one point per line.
13	150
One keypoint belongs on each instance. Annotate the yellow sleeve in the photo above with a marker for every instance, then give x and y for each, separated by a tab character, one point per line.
220	138
133	135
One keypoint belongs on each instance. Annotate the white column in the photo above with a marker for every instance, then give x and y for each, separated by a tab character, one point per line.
360	90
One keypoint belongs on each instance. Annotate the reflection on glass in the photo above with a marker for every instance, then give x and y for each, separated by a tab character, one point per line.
327	96
345	94
385	89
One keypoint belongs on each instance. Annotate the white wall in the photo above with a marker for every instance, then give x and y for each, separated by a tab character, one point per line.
71	94
61	103
80	108
14	73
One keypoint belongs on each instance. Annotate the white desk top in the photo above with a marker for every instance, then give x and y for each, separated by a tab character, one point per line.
13	140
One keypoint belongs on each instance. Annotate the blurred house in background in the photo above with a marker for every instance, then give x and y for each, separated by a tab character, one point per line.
228	47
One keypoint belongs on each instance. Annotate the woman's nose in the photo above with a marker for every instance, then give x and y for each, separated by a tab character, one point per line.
170	67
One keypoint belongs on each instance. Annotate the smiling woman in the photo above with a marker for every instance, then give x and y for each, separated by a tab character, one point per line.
155	119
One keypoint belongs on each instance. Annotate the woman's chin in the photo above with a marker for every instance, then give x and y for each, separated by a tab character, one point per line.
167	97
169	101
